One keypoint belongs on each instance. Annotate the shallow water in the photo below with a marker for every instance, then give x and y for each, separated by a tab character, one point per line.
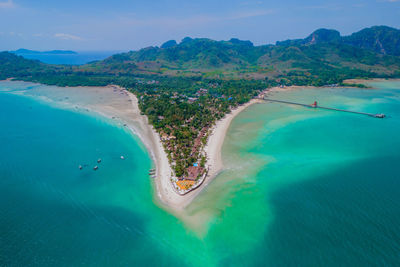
302	187
52	213
310	187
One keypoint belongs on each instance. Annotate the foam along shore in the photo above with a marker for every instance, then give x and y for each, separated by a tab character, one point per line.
214	145
121	106
372	80
120	103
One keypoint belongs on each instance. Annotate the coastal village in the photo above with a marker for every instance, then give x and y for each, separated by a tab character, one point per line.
184	135
184	117
194	172
191	151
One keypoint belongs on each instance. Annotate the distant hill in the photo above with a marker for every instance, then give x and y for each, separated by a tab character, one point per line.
317	37
168	44
374	50
52	52
323	57
12	65
380	39
193	54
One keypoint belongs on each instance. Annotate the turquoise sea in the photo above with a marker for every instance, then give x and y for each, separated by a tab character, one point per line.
302	187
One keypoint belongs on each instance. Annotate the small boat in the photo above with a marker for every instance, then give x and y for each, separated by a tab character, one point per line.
153	176
122	157
95	168
99	160
80	167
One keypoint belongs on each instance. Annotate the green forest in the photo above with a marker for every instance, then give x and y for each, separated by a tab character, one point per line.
184	88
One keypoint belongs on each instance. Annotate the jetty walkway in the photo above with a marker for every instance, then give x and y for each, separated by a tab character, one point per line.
315	105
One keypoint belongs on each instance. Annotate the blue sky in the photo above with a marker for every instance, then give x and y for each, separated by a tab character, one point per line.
122	25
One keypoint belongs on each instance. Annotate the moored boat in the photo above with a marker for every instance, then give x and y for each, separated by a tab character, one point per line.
380	115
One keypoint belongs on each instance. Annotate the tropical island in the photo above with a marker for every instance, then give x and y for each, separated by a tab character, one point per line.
23	51
185	88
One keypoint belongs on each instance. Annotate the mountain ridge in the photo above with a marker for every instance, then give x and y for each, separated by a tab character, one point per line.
23	51
322	49
323	57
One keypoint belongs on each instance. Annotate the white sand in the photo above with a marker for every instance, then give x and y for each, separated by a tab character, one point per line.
164	189
150	138
216	140
122	106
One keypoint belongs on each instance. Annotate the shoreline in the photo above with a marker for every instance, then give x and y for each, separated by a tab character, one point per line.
363	81
121	107
214	163
216	139
117	103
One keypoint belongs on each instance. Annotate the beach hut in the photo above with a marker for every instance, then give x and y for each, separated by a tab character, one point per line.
194	172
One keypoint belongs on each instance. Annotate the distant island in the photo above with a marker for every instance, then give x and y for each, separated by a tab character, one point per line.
52	52
185	88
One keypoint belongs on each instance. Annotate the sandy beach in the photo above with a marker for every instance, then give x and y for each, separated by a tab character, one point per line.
364	81
216	140
130	114
121	106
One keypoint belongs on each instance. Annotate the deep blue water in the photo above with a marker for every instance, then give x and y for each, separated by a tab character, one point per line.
348	217
303	187
70	59
52	213
308	187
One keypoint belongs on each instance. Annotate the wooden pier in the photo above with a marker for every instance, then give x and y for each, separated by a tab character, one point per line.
315	105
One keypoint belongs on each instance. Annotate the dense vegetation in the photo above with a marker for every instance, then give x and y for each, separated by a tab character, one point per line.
182	110
185	87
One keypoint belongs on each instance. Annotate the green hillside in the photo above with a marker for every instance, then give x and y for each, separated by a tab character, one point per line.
370	52
184	88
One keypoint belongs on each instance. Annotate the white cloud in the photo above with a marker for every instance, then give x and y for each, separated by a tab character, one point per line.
15	34
331	7
7	4
66	36
250	3
194	20
250	14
